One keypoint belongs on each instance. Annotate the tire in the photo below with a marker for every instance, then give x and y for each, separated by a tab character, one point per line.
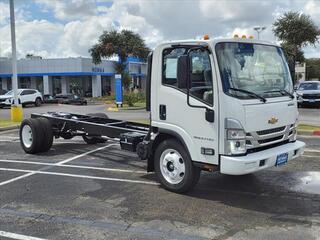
184	176
48	134
31	135
37	102
95	139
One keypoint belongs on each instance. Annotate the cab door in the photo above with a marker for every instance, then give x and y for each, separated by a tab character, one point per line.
188	117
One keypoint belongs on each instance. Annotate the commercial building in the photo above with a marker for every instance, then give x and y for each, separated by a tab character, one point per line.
69	75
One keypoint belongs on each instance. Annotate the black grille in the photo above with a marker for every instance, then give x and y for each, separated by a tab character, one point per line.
311	96
253	150
272	130
270	139
2	100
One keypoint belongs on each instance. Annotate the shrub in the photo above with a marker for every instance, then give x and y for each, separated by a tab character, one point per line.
130	98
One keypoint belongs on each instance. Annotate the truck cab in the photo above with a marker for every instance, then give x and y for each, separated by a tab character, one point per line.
225	105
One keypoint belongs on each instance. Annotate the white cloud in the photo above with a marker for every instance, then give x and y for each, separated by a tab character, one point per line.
4	13
70	9
78	23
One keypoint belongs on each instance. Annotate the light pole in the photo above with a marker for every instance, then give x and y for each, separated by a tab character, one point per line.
259	30
16	109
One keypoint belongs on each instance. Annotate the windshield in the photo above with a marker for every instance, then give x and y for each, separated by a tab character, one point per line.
257	68
11	92
309	86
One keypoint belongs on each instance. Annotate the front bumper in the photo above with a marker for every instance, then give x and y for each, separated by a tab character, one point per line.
309	101
252	162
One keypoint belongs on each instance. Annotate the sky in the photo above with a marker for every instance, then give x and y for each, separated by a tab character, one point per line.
68	28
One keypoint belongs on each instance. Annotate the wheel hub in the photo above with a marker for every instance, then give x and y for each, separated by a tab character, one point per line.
27	136
172	166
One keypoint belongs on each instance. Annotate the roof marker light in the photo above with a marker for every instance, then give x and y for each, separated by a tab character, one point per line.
206	37
244	36
236	36
251	37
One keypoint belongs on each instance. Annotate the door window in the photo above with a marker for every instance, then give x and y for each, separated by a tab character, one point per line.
201	76
169	66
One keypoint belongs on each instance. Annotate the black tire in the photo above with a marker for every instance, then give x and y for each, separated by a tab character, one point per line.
95	139
191	175
37	103
37	135
48	134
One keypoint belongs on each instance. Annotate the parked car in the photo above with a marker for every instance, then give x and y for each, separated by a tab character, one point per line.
70	99
308	93
25	96
47	98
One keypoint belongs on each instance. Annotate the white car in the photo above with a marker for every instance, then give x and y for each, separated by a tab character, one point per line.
25	96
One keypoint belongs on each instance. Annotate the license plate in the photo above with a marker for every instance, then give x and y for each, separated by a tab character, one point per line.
282	159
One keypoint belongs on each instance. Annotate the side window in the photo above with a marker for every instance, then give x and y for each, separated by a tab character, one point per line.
201	76
24	92
169	65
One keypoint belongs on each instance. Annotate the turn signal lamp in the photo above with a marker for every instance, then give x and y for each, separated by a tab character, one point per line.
244	36
206	37
236	36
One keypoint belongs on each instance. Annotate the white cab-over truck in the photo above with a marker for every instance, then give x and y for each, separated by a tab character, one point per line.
222	105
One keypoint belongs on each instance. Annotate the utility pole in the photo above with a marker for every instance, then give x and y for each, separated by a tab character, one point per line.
259	29
16	108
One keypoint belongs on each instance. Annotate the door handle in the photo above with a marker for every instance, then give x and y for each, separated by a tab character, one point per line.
163	112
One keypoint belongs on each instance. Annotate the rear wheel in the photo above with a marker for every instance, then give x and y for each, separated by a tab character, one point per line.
37	103
47	140
174	167
31	135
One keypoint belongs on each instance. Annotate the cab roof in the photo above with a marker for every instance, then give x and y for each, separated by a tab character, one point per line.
213	42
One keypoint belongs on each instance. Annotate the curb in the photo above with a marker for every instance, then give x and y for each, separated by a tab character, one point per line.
309	133
9	128
113	109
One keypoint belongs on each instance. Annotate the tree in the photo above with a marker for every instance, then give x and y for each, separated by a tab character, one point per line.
296	30
123	44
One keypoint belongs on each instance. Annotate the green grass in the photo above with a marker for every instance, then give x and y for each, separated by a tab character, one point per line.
305	127
143	121
137	105
7	123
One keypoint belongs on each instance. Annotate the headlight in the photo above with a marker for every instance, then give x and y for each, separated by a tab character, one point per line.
293	136
236	142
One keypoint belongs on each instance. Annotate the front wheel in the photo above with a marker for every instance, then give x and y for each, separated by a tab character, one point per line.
174	167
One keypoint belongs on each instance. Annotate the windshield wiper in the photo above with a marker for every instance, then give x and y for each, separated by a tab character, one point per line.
249	93
283	92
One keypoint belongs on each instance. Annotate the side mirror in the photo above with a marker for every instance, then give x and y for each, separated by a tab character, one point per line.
182	71
292	68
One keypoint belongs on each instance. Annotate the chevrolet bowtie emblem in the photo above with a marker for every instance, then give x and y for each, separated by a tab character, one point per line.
273	120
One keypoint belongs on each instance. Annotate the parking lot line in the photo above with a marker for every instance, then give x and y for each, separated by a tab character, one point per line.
18	236
78	176
16	178
74	166
312	150
57	164
84	154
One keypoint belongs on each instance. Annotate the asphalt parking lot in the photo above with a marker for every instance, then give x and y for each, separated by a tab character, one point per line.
79	191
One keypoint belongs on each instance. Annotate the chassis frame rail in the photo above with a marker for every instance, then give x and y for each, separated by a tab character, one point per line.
76	124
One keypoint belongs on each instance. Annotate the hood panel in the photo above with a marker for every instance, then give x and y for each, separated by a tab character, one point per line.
257	116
